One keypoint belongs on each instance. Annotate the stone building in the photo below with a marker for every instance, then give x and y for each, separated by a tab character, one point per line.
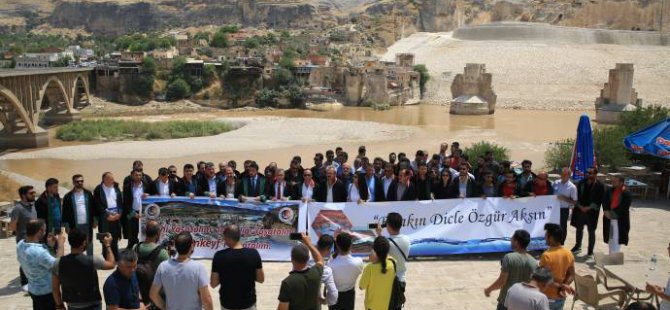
618	95
473	92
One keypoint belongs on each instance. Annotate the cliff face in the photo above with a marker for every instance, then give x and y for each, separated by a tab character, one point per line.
111	18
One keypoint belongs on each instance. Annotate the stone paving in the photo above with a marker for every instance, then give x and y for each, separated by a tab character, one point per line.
455	282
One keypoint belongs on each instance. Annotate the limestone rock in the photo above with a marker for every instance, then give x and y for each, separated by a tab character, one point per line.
473	92
618	95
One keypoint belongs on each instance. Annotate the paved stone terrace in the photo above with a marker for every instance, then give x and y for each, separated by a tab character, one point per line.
455	282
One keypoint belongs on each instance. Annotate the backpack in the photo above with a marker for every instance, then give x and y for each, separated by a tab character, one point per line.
145	271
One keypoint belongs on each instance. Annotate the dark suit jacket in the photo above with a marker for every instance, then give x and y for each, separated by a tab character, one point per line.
339	192
423	187
470	189
622	215
145	178
128	195
442	192
173	187
203	186
42	210
408	195
299	194
244	187
70	210
100	204
289	191
182	187
378	191
588	195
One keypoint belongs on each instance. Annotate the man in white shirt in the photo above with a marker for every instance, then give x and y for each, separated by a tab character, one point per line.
325	245
78	211
387	179
529	296
567	194
346	270
399	244
108	203
133	193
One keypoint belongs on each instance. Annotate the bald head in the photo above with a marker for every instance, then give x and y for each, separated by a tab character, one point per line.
565	174
231	235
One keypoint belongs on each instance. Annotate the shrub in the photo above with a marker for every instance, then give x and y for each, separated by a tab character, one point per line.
424	77
90	130
559	154
266	98
500	153
178	89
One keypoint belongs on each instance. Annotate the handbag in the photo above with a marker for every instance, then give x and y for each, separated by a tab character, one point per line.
397	292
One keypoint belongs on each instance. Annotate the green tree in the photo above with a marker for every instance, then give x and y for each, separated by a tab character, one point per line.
178	89
219	40
559	154
424	77
500	153
266	98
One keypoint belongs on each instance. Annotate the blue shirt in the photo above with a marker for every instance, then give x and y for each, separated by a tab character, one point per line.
371	189
36	262
121	291
56	217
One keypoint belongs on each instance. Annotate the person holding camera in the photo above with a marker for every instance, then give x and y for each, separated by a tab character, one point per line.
399	243
75	276
300	290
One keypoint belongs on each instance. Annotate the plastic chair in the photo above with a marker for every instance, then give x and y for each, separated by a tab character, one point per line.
586	290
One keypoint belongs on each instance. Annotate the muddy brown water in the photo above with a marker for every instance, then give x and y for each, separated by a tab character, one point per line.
526	133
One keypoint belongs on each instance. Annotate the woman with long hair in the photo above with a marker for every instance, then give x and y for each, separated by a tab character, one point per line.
378	276
358	190
442	188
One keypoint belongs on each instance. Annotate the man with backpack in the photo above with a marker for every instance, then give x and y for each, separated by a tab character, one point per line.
75	276
149	255
399	245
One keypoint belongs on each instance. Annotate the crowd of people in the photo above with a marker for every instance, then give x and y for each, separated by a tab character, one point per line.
148	274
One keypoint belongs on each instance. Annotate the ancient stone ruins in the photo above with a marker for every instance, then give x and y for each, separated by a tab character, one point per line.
617	96
473	92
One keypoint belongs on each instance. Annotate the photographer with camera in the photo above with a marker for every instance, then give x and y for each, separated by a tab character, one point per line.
75	276
399	244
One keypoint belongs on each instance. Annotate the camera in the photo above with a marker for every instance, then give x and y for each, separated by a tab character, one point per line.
100	236
375	224
295	236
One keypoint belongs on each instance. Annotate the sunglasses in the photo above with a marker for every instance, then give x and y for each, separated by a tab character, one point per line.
79	181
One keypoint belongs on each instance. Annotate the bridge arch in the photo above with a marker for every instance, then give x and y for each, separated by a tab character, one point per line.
84	81
61	87
16	104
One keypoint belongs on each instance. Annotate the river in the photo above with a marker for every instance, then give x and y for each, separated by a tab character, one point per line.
526	133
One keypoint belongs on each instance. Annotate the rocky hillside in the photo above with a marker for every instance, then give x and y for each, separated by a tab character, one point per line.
113	17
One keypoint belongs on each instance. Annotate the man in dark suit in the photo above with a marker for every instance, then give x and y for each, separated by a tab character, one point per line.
137	165
402	189
108	200
188	184
590	194
464	186
374	184
616	219
252	186
163	186
133	193
387	180
333	190
422	181
318	171
78	210
208	184
48	206
280	190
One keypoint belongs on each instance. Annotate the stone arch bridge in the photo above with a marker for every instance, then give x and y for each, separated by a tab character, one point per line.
32	99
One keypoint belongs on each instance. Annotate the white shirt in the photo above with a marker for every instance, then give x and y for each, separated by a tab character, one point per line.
110	195
463	188
354	195
567	189
346	270
371	186
307	191
212	185
279	190
387	184
80	203
329	283
329	194
403	243
164	188
138	191
665	305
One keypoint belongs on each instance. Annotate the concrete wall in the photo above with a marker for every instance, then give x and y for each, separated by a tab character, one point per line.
544	32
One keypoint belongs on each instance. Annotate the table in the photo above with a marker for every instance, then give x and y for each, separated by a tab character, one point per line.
637	187
636	275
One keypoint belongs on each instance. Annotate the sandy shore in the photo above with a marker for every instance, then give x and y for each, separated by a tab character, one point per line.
542	75
256	133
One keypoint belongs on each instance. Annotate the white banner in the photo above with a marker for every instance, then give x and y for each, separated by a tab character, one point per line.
440	227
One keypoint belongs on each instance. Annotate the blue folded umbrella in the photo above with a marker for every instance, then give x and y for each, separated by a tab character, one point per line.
653	140
583	155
